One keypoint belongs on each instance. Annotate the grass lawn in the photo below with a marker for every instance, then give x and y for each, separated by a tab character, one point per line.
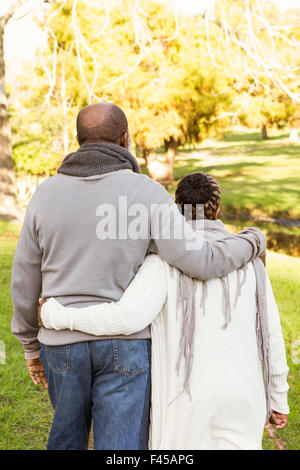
26	413
284	272
257	177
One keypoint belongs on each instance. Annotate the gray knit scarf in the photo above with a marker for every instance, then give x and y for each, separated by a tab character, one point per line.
186	288
98	158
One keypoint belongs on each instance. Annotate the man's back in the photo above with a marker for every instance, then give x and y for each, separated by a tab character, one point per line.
78	266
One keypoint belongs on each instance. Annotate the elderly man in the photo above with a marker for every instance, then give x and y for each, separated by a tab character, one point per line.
65	251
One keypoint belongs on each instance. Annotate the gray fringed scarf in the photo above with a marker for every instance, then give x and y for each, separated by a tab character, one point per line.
186	288
98	158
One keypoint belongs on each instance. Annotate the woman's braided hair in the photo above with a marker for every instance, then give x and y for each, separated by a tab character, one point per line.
196	189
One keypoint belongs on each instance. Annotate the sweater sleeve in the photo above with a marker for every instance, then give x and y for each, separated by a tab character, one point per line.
26	286
278	364
139	305
178	244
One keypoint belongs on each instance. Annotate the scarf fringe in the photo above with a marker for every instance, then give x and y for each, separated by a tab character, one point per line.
186	293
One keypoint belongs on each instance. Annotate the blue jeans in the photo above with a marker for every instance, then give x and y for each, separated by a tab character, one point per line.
105	381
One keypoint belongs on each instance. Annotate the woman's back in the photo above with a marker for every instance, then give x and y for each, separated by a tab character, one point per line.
226	383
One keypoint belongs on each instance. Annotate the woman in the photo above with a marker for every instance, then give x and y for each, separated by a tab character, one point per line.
209	340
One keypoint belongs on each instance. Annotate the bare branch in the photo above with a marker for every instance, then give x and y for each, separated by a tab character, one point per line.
12	9
248	42
206	16
107	17
78	37
177	26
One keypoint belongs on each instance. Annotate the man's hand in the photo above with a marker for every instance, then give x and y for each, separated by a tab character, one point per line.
279	419
36	372
41	302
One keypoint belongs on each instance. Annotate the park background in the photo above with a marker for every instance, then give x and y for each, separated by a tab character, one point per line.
207	86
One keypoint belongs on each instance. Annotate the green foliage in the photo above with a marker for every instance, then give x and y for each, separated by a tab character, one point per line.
261	52
178	84
35	150
270	108
154	75
180	94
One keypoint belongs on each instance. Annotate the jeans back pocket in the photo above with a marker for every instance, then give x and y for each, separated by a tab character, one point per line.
59	357
131	356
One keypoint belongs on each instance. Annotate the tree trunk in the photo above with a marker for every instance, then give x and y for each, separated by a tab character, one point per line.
160	167
264	134
294	135
171	146
9	207
8	195
65	126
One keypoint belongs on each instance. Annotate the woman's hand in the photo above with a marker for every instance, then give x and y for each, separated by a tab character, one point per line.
40	323
279	419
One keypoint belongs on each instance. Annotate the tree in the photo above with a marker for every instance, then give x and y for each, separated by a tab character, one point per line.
53	89
71	71
176	95
264	107
8	199
261	46
178	79
260	40
136	58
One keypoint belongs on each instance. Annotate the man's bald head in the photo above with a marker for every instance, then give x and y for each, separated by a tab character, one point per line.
102	122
